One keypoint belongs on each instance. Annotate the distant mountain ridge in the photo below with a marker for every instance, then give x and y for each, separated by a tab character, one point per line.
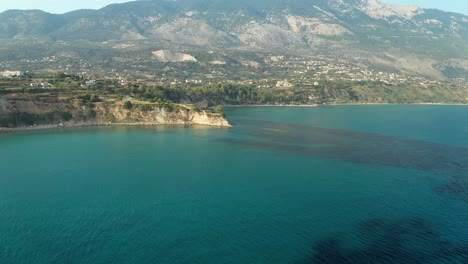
407	38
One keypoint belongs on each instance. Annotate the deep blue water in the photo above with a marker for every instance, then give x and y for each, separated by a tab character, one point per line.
338	184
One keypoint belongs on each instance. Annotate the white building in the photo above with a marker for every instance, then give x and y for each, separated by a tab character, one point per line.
91	82
8	73
284	84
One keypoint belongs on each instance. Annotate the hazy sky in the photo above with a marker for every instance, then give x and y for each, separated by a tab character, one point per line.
63	6
458	6
57	6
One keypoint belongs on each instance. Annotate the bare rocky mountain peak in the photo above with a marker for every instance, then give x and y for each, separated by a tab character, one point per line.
379	10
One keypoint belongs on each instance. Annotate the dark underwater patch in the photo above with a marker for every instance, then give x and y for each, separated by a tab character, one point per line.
362	148
357	147
405	241
457	187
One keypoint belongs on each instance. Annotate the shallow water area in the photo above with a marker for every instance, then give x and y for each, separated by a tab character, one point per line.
338	184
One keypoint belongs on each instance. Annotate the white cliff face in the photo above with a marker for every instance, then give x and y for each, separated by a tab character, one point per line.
202	118
407	12
169	56
379	10
158	116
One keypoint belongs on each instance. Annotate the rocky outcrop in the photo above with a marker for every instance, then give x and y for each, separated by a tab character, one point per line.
16	114
181	115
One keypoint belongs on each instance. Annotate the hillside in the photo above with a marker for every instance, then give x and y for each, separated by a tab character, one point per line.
367	33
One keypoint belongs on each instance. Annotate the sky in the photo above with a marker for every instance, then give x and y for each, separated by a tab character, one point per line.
63	6
56	6
457	6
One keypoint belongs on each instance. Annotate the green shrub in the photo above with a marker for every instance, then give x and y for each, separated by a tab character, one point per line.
128	105
219	109
88	97
145	108
89	105
90	113
94	98
67	116
25	119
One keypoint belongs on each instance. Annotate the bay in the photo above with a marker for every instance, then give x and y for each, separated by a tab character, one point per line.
336	184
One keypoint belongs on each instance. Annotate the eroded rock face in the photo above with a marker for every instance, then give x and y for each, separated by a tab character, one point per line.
71	113
5	106
169	56
202	118
117	114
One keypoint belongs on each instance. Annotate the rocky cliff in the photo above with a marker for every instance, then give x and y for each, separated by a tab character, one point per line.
180	115
21	113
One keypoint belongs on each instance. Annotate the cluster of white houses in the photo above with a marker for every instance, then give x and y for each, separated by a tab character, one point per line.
11	73
41	84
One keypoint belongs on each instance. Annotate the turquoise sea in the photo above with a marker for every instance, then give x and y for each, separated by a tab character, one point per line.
336	184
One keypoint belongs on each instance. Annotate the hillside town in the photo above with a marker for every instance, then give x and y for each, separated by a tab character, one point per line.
276	72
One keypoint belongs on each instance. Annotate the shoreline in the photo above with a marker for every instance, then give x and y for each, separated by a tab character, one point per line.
265	105
4	130
448	104
344	104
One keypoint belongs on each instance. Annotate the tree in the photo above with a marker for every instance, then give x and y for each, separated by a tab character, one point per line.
128	105
66	116
219	109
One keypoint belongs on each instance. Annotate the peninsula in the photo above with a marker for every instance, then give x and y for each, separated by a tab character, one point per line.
28	112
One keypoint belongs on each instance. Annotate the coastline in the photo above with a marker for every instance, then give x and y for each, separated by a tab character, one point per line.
84	125
442	104
265	105
191	125
344	104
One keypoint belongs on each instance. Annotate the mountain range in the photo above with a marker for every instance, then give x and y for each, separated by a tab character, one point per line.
369	33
